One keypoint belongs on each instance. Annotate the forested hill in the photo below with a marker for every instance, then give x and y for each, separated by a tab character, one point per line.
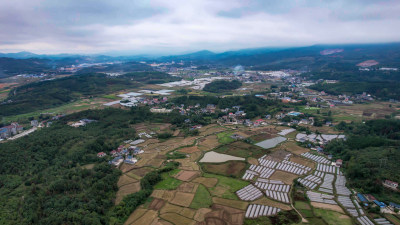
48	94
10	66
219	86
371	155
43	177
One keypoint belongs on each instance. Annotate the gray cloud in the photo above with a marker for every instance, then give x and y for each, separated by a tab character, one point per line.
159	26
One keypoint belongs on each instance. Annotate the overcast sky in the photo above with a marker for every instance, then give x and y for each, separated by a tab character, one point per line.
172	26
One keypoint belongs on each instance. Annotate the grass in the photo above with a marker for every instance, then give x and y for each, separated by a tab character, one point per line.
202	198
301	205
168	182
112	97
231	184
332	217
225	137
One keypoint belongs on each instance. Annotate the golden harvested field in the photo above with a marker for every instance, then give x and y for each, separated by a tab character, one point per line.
285	177
141	171
163	194
195	156
294	148
335	208
187	164
302	161
187	212
177	219
146	219
182	199
208	182
237	204
135	215
126	190
187	175
126	167
269	202
125	179
168	208
155	162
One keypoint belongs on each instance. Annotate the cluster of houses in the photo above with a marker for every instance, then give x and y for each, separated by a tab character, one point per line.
368	199
10	130
125	153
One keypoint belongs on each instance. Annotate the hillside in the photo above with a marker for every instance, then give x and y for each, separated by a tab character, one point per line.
219	86
48	94
10	66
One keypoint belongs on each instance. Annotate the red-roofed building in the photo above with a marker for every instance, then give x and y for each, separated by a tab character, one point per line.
339	163
390	184
101	154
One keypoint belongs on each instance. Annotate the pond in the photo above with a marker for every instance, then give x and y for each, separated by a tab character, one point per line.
270	143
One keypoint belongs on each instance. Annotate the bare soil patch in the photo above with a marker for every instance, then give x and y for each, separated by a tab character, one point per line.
285	177
294	148
269	202
252	161
302	161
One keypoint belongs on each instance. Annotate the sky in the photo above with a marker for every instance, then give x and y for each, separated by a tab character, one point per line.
172	26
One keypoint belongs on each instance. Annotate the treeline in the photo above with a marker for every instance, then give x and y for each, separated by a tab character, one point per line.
46	177
371	154
219	86
382	84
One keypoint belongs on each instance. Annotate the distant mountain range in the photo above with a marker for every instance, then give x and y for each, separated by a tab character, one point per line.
317	57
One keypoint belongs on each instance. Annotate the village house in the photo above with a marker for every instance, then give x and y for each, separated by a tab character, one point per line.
10	130
339	163
101	154
390	184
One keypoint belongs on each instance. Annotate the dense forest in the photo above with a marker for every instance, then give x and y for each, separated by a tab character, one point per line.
382	84
44	178
219	86
10	66
371	154
47	94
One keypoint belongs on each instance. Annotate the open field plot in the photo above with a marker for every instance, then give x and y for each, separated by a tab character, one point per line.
333	217
188	187
140	172
147	218
302	205
262	137
156	204
302	161
200	214
231	184
395	220
211	129
177	219
231	168
135	215
168	182
376	110
187	175
189	149
242	149
126	190
195	156
270	202
187	164
182	199
221	214
202	198
225	137
285	177
231	203
208	143
331	207
208	182
294	148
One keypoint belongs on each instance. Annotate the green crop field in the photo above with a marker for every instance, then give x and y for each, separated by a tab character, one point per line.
202	198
